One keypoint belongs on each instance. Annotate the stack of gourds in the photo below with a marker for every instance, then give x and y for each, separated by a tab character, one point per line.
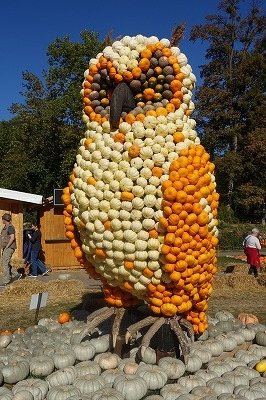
141	204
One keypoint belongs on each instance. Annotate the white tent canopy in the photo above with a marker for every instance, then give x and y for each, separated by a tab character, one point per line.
21	196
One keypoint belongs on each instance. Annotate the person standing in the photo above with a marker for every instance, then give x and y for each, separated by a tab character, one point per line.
8	245
36	247
252	249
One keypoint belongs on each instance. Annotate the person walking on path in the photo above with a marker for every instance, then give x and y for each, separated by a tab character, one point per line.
36	247
8	245
252	249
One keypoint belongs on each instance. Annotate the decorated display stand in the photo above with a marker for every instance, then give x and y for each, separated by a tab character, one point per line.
141	204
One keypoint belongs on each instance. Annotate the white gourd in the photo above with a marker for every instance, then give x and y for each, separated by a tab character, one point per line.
107	394
154	375
107	360
62	392
89	366
37	387
64	358
191	381
132	386
5	340
173	391
84	351
41	366
64	376
22	395
15	372
88	384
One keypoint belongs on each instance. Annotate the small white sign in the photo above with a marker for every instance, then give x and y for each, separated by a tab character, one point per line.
35	298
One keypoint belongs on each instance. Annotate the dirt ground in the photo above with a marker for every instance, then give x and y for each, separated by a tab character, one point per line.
70	290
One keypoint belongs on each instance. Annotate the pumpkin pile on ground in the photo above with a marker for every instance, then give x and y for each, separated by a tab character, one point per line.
141	204
49	361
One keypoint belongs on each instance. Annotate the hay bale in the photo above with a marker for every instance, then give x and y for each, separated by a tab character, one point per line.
240	269
262	279
263	268
220	282
238	281
56	288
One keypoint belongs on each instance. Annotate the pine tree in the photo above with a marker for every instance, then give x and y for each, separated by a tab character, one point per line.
230	100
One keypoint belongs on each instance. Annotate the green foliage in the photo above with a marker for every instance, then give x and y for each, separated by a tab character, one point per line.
231	235
230	104
226	215
38	146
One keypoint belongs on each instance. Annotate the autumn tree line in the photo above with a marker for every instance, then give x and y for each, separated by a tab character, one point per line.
38	145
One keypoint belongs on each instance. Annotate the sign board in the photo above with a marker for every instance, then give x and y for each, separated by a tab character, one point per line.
35	298
57	197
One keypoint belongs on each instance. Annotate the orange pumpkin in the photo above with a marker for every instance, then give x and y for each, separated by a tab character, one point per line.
63	318
248	318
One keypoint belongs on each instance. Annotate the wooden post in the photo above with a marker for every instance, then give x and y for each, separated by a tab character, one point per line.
38	309
121	348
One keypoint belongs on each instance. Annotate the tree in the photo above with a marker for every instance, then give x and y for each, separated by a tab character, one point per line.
229	102
48	126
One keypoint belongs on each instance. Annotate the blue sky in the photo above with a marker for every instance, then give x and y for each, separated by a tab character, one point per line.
27	27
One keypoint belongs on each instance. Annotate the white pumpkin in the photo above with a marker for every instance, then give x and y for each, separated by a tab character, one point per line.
84	351
5	340
173	391
107	360
248	392
37	387
206	375
249	372
204	392
110	374
174	368
154	376
22	395
236	378
219	367
147	355
191	381
15	372
194	363
220	385
229	342
107	394
204	354
41	366
62	392
5	393
87	367
64	376
133	387
88	384
64	358
215	346
101	343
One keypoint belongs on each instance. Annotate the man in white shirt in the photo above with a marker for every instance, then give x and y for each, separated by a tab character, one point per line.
252	247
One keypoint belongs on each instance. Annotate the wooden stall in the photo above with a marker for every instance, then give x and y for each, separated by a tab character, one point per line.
56	247
57	252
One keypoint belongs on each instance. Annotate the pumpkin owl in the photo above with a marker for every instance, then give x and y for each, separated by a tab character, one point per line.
141	204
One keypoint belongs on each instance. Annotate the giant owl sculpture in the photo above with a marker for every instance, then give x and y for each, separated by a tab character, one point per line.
141	205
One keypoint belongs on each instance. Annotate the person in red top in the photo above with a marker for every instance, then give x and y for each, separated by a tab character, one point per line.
252	249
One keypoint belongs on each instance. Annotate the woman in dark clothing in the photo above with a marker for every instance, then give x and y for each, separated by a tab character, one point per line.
36	247
27	246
